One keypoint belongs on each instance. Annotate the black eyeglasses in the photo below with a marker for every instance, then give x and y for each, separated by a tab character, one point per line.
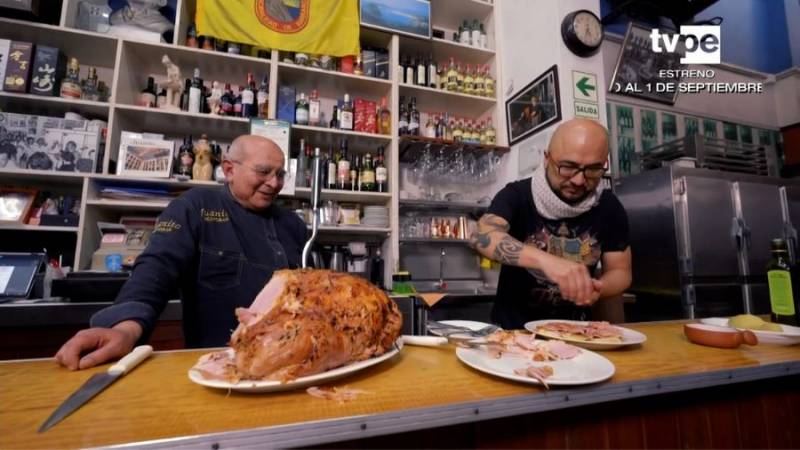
265	175
568	170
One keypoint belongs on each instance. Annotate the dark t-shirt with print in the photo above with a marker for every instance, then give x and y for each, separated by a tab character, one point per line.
524	295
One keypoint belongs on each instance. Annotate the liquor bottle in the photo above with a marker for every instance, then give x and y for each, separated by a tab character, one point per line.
332	167
191	37
433	80
476	34
384	118
346	114
227	101
381	173
441	125
335	117
458	133
402	121
262	97
71	84
413	118
147	97
343	168
478	82
469	81
237	102
184	103
448	131
488	83
421	70
452	76
310	165
161	98
482	129
459	78
313	109
301	164
491	136
782	298
249	106
90	89
409	77
195	92
466	33
368	174
301	110
430	129
355	161
441	76
376	269
186	158
476	132
484	40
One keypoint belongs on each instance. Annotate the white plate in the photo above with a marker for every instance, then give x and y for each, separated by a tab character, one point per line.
629	337
471	324
255	387
586	368
789	336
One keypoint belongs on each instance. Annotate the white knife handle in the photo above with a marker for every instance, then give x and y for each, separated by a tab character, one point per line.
424	341
131	360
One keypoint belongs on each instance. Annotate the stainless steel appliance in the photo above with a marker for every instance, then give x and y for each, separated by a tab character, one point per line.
702	236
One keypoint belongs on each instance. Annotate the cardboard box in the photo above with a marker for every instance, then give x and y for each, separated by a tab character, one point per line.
18	68
368	62
5	46
365	116
49	66
346	63
286	103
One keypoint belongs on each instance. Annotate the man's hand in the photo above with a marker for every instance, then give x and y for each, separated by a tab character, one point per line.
104	344
573	280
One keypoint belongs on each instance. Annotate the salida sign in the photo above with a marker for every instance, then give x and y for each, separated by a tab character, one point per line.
702	43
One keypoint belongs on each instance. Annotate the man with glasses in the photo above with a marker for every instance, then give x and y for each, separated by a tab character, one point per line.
218	246
553	230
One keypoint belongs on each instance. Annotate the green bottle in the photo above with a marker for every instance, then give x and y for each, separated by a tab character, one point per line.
782	297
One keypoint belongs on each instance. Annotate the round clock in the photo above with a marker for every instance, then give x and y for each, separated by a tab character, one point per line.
582	32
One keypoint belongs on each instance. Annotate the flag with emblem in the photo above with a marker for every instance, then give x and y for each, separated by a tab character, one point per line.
326	27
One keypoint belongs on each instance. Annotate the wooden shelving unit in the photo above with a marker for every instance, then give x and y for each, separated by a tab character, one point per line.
124	65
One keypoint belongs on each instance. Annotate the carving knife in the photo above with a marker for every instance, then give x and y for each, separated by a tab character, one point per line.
96	384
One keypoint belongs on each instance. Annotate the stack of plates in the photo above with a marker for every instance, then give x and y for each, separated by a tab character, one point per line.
376	216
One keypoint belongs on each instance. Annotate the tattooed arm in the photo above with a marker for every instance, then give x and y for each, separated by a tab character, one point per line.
493	241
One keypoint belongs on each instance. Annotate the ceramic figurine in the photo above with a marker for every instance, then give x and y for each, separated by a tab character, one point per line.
173	84
203	169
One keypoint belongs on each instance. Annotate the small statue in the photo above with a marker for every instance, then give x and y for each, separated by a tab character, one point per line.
173	84
215	99
203	169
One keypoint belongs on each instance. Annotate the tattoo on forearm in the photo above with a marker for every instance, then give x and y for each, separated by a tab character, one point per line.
480	241
494	223
508	251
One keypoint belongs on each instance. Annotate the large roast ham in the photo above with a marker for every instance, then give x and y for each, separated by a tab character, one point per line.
305	322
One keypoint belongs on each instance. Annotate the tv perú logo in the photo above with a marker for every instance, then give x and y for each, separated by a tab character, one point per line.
702	43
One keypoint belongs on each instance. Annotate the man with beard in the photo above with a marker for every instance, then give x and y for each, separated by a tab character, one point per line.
218	246
550	232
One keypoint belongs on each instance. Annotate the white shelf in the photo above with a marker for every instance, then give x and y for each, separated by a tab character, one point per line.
352	229
42	176
346	196
26	227
439	100
178	113
163	181
443	49
128	205
55	106
449	14
173	124
322	73
323	137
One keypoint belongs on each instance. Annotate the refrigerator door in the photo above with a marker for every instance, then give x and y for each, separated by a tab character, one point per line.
792	218
706	225
760	208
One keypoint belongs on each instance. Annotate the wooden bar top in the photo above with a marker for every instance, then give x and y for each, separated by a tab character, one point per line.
158	401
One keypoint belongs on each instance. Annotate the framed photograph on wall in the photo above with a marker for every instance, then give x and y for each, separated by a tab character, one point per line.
15	204
536	106
411	17
141	157
637	70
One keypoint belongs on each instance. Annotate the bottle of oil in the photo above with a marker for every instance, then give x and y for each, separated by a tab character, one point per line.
782	297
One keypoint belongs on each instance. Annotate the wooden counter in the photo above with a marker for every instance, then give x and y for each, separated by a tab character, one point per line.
156	404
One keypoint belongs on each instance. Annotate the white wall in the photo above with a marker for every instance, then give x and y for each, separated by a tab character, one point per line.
758	110
787	95
531	35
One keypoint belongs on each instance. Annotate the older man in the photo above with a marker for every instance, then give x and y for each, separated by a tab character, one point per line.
218	246
551	231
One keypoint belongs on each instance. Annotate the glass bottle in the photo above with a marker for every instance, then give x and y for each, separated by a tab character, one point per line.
402	121
313	109
488	83
335	117
355	162
147	97
452	76
249	106
195	92
262	97
185	95
367	174
301	110
459	78
90	90
381	173
491	136
384	118
475	38
186	158
343	168
478	82
783	299
331	172
71	84
346	114
413	118
469	81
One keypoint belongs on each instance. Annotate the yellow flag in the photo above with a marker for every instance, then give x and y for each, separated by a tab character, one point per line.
326	27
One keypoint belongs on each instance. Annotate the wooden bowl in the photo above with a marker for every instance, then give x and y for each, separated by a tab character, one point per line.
716	336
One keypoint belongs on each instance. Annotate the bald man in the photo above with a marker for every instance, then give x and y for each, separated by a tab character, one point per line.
550	232
216	246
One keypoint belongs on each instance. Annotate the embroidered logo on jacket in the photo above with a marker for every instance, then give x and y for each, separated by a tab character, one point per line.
166	226
214	216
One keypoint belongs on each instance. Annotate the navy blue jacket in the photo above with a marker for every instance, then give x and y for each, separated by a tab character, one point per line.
217	253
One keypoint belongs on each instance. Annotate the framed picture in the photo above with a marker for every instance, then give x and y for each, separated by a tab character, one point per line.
15	204
411	17
638	66
536	106
141	157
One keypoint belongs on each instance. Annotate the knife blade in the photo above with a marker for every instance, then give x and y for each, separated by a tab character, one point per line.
95	384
